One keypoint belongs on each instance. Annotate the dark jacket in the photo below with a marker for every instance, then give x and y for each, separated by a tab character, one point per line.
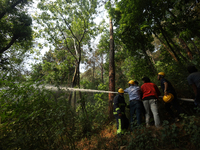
119	105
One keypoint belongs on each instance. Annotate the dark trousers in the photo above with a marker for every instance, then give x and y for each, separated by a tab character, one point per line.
197	98
136	106
175	105
122	123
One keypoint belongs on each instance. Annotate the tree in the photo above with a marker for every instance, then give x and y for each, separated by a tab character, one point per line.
56	68
69	25
137	22
72	24
15	27
111	61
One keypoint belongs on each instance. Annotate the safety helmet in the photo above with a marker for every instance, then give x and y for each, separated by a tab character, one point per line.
161	74
168	98
131	82
120	90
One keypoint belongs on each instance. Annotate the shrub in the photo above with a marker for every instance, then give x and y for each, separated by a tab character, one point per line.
32	119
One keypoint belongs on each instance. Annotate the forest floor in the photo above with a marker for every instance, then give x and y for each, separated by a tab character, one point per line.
107	139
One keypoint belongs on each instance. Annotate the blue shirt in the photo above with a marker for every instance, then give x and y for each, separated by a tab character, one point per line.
133	92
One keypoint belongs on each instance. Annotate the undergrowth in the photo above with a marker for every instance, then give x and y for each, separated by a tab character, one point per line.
33	118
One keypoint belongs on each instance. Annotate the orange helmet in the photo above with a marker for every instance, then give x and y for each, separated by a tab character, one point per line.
161	74
168	98
120	90
131	82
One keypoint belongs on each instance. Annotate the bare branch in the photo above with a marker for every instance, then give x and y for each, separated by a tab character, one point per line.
9	45
66	23
66	43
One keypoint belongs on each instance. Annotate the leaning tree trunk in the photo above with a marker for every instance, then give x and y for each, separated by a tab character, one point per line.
197	50
163	33
187	49
149	61
74	81
111	71
169	51
102	68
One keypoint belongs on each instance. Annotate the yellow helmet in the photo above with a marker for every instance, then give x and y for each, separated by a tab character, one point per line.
131	82
168	98
161	73
120	90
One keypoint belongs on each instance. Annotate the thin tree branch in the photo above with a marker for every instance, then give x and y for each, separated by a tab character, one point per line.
66	23
66	43
10	8
9	45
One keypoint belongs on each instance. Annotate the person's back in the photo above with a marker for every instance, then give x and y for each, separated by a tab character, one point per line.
150	95
149	89
136	104
119	105
194	81
133	92
194	78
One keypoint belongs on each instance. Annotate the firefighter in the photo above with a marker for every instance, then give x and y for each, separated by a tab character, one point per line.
119	105
167	89
136	105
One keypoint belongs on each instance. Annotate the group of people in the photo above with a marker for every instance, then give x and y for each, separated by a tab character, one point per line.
143	100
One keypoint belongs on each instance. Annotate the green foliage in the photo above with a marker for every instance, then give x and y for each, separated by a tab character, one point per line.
56	68
33	119
143	140
96	107
137	22
184	135
72	23
16	31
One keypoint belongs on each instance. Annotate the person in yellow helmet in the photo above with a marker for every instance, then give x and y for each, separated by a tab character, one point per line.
168	88
136	105
119	106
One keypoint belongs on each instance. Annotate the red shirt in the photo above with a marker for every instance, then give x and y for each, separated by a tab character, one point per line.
150	89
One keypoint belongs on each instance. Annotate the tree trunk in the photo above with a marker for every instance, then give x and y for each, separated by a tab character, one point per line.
197	50
151	56
149	61
111	71
184	45
187	49
178	51
169	51
74	81
93	70
102	68
162	31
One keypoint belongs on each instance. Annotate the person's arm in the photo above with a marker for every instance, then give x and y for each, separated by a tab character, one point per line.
126	90
165	89
194	88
